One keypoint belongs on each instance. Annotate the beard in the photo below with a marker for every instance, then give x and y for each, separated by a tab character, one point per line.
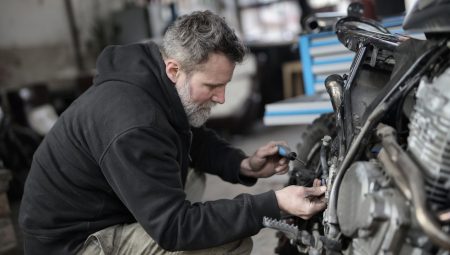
197	113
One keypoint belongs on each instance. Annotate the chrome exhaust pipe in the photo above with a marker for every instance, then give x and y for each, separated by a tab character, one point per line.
408	176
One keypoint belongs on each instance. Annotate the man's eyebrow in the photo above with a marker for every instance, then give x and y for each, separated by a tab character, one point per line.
215	84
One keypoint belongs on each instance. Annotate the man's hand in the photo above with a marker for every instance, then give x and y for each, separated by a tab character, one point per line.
300	201
265	162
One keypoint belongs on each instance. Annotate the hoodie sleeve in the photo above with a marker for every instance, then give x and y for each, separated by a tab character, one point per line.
214	155
148	182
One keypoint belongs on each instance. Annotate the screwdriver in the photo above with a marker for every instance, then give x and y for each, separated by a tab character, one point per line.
286	152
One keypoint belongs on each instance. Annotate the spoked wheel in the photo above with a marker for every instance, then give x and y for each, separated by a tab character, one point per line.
308	151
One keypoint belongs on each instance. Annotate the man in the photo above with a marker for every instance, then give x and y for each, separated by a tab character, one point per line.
109	178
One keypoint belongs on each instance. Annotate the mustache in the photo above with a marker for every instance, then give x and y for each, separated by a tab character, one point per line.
207	105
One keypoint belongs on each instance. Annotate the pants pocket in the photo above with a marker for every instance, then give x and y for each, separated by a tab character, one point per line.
103	241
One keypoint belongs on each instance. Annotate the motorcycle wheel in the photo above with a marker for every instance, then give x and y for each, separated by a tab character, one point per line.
308	150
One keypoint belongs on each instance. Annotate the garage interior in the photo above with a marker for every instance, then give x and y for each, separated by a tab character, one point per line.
48	51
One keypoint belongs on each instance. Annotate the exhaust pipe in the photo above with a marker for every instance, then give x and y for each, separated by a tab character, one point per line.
334	85
409	177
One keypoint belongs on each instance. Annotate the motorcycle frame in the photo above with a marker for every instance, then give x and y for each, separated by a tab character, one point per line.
364	43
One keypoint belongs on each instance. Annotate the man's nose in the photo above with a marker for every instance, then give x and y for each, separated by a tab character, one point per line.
219	95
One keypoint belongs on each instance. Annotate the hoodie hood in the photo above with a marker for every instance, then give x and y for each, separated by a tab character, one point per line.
142	65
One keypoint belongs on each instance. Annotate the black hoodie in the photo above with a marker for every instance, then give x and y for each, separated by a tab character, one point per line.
120	154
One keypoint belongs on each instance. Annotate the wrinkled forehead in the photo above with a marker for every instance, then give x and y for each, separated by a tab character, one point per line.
218	69
213	58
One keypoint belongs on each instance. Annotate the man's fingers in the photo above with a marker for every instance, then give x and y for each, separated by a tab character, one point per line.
281	166
315	191
282	172
267	151
315	205
283	161
270	148
318	205
282	169
316	183
322	199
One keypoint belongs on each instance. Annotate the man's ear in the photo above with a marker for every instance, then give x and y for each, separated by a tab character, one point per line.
172	69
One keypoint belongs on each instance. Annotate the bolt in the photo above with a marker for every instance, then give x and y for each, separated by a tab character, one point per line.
422	240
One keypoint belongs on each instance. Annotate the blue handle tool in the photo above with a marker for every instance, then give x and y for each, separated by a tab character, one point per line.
286	152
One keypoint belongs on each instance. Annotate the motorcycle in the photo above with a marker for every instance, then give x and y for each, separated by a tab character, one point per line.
384	153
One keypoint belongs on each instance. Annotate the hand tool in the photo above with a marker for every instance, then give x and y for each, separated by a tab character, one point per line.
286	152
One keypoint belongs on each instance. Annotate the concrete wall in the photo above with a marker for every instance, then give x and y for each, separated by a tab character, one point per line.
35	41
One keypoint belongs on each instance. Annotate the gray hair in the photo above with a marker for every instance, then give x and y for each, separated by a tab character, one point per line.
191	38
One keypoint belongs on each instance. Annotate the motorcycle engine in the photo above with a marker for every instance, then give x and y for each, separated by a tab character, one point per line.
371	211
429	139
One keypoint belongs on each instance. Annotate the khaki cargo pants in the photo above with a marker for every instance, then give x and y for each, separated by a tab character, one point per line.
132	238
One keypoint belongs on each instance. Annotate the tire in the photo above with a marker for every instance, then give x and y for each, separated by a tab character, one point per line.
308	151
308	148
